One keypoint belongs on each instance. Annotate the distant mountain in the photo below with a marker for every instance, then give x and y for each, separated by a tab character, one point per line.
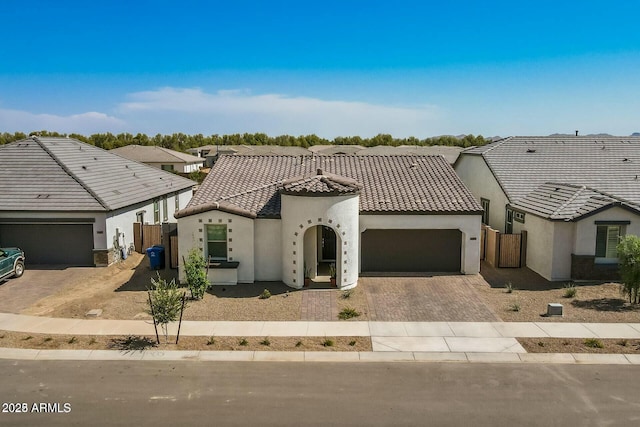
635	134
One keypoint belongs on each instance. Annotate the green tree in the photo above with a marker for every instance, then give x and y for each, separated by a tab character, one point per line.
195	268
165	303
629	263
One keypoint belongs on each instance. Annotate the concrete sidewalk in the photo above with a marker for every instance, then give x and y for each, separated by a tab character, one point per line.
413	338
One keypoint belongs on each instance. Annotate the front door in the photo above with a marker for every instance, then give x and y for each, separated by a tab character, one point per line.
328	244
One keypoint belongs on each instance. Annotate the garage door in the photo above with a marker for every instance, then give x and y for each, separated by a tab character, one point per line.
69	244
411	250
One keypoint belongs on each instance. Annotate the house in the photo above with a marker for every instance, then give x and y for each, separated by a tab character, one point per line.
574	195
211	152
284	218
160	157
330	150
66	202
449	152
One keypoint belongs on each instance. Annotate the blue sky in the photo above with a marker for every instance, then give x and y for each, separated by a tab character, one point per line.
408	68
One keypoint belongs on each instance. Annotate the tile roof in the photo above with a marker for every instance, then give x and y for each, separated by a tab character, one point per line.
320	183
390	184
450	153
64	174
329	150
252	150
154	154
607	164
567	202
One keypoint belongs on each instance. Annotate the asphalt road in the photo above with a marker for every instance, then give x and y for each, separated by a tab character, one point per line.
265	394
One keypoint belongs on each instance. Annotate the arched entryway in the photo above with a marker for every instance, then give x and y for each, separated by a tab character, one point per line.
321	256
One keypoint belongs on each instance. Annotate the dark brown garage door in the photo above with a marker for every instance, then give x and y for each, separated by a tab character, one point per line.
69	244
411	250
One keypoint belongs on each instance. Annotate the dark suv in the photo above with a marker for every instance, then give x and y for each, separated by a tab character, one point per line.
11	262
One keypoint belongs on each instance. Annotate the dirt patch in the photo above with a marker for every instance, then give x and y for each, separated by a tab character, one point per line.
580	345
137	343
601	303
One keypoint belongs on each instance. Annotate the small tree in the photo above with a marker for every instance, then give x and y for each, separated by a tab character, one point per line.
629	262
195	268
165	303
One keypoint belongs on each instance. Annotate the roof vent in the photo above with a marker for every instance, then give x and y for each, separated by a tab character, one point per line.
84	167
531	150
95	158
626	160
319	171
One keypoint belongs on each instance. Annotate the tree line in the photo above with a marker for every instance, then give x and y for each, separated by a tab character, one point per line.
182	142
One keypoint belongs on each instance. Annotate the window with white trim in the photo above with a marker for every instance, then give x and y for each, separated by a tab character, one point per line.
607	239
485	210
165	209
156	211
217	242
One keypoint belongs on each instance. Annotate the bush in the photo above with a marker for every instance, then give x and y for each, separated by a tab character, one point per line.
211	340
508	287
348	313
346	294
299	344
352	343
166	303
629	262
515	307
72	340
265	342
266	294
195	268
570	290
328	343
243	342
593	343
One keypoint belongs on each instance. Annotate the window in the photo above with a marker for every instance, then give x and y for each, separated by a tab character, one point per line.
165	209
168	168
485	211
217	242
156	211
177	201
607	239
518	216
508	223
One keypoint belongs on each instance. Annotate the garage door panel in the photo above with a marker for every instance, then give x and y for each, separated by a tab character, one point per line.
69	244
411	250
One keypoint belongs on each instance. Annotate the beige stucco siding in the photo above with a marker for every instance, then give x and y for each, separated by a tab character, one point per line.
240	240
586	228
478	178
268	247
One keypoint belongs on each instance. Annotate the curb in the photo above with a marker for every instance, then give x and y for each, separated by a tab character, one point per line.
318	356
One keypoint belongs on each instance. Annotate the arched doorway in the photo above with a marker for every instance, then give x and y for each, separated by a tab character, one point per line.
321	256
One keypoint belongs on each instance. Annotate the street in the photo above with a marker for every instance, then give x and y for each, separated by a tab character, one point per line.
230	393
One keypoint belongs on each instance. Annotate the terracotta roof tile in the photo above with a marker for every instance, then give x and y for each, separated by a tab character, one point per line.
389	184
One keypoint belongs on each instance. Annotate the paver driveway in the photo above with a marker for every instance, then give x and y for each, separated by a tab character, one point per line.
426	299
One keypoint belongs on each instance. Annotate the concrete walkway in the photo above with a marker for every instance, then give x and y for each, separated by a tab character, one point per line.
436	341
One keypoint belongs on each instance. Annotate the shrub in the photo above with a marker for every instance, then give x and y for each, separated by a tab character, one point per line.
265	342
508	287
195	268
540	344
266	294
72	340
243	342
352	343
328	343
593	343
47	339
515	307
92	341
211	340
629	262
348	313
27	338
165	302
346	294
570	290
623	342
299	344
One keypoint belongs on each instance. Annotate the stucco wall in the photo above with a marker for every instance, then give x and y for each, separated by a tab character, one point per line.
586	228
469	225
299	213
478	178
268	250
539	244
240	240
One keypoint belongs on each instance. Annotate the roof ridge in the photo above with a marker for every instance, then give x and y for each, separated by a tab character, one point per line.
497	143
569	200
231	196
72	175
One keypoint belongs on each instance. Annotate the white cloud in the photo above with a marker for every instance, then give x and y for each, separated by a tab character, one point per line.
84	123
170	110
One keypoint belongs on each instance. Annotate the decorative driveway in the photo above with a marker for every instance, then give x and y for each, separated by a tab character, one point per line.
426	299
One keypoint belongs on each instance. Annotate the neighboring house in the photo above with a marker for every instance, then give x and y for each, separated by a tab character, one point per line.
449	152
211	153
66	202
574	195
330	150
278	216
160	157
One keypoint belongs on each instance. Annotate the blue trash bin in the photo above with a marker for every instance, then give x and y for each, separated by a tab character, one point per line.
156	257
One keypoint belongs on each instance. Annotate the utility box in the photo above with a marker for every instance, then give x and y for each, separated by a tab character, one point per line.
554	309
